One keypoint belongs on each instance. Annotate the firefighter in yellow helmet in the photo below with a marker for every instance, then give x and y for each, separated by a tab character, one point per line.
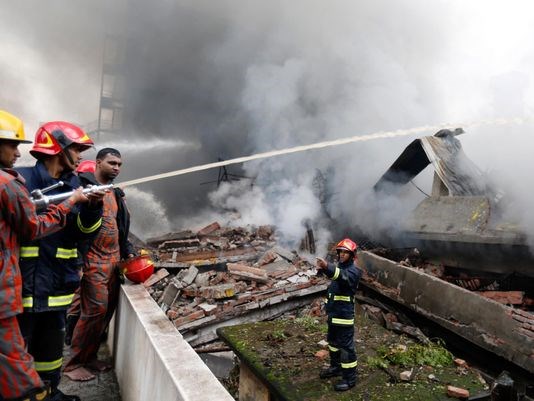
344	276
19	221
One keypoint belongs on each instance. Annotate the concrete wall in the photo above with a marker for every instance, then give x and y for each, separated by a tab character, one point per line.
152	360
506	331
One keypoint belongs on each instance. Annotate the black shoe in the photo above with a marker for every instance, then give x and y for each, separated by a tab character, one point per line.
330	372
344	385
37	395
58	395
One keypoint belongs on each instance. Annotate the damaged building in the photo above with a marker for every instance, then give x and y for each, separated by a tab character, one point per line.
459	263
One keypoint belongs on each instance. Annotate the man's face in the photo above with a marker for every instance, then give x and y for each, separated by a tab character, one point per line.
109	167
75	151
9	153
344	256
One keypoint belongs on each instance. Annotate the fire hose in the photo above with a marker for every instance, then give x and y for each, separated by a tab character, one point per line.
41	201
324	144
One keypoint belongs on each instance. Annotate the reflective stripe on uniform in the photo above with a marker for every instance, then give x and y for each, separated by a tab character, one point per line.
88	230
58	300
27	302
336	273
343	322
47	366
349	365
29	251
63	253
333	349
346	298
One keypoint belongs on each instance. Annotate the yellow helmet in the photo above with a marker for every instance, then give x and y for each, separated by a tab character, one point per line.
11	128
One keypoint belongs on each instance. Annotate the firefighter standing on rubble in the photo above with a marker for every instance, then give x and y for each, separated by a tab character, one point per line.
19	220
50	267
345	276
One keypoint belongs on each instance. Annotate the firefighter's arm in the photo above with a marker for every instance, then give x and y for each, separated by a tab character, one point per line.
23	216
89	216
345	277
127	250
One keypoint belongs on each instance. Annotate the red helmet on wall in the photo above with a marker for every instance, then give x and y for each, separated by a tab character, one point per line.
87	166
347	245
52	137
138	268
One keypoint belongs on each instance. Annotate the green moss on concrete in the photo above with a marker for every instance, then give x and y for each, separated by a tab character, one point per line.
282	353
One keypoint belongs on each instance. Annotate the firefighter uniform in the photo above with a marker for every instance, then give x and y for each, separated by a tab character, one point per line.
18	220
344	277
50	267
99	288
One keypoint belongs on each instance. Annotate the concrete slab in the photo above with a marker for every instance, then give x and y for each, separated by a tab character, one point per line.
500	329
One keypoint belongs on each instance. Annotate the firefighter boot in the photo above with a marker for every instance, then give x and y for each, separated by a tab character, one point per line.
58	395
40	394
348	381
330	371
335	367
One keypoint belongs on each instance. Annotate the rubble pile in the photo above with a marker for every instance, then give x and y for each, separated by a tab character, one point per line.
511	289
221	274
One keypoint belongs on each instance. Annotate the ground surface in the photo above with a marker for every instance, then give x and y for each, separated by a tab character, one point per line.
103	388
283	351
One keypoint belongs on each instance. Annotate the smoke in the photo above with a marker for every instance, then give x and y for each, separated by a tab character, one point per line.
206	80
150	215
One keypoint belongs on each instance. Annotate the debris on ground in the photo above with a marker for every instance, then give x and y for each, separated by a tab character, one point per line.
219	273
391	366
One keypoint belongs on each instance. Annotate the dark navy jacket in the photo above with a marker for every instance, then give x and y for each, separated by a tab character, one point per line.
123	216
340	302
50	266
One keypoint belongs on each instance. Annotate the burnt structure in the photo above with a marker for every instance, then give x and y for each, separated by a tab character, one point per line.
460	223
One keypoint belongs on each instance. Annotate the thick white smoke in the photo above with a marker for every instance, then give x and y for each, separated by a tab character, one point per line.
235	78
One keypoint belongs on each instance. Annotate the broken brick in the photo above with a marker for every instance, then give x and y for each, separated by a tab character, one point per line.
154	278
189	318
218	291
505	297
322	354
457	392
209	229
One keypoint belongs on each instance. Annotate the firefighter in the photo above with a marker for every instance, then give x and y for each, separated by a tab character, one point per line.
50	267
18	220
100	285
345	276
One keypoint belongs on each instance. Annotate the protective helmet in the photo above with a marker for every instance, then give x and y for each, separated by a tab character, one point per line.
347	245
11	128
87	166
52	137
138	268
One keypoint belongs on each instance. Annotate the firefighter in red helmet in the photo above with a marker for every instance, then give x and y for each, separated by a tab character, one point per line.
50	267
19	221
86	166
344	276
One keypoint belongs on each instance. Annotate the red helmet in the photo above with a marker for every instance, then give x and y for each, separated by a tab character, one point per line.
52	137
87	166
347	245
138	268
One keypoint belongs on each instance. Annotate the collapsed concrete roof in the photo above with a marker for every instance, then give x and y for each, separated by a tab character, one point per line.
458	174
460	223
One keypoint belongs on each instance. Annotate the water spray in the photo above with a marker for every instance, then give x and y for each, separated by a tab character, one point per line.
320	145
